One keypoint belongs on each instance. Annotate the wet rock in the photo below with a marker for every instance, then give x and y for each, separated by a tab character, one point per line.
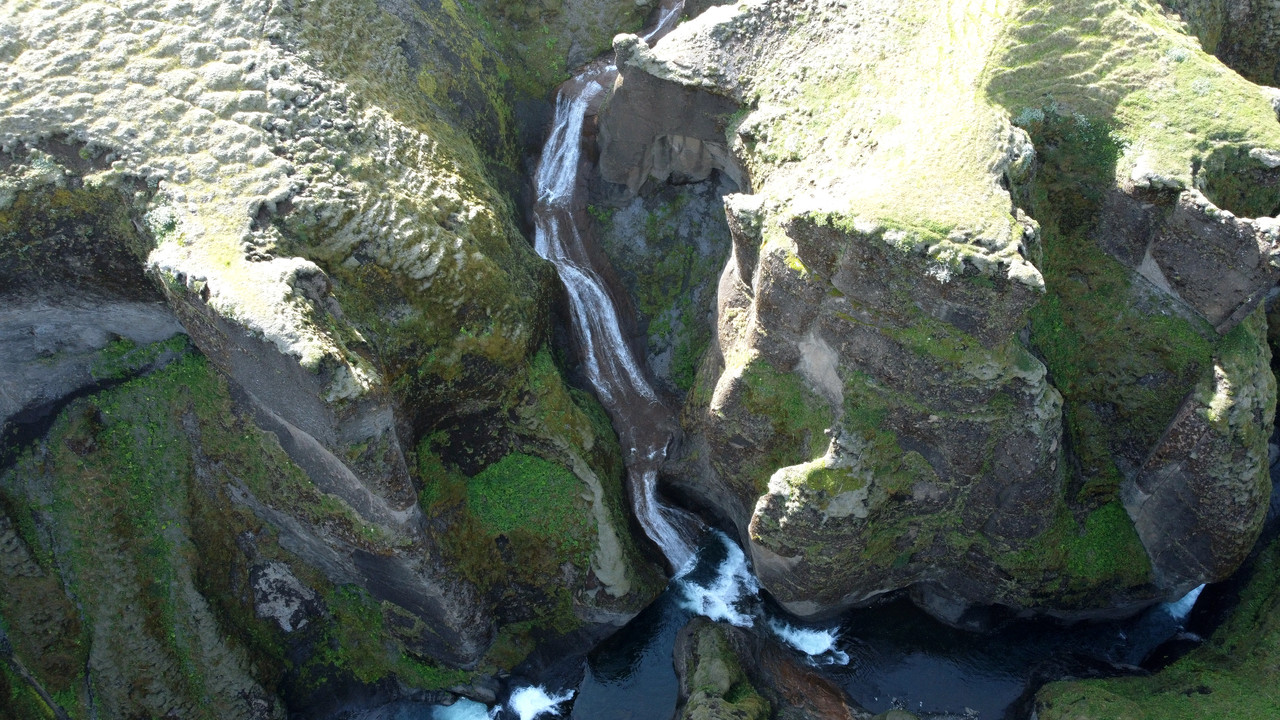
726	673
278	595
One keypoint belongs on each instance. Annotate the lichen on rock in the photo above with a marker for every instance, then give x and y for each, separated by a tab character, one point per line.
958	215
335	244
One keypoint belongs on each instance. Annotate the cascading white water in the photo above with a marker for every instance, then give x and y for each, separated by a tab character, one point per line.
644	423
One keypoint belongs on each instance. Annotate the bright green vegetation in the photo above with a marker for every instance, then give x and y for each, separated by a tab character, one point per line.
1123	357
511	515
1176	111
797	415
928	166
1101	555
1236	674
522	493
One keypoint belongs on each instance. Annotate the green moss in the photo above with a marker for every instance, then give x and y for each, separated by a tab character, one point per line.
358	641
18	701
797	415
717	684
122	358
1234	675
522	492
120	466
53	236
1102	554
669	275
1122	356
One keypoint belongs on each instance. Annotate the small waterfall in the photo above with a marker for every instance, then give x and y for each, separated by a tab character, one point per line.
644	423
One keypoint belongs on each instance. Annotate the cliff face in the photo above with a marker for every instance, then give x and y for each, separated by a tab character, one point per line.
295	186
1244	34
990	329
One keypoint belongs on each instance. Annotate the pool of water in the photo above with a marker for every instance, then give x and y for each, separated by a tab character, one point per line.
890	656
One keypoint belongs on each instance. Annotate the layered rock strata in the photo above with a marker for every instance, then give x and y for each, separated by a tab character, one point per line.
297	187
920	376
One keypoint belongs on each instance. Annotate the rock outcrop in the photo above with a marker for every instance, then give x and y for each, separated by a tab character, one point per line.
980	301
1245	34
297	187
727	674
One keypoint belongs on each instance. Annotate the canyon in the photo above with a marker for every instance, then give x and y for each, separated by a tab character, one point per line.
365	357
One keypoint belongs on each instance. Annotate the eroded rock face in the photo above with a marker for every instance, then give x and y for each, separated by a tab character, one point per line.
1245	34
891	400
292	186
1219	265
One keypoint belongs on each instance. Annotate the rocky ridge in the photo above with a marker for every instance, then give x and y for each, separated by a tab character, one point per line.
897	395
295	187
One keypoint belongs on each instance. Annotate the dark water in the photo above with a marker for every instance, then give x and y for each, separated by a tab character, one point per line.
898	657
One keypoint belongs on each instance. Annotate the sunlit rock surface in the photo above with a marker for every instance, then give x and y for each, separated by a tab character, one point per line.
297	187
988	261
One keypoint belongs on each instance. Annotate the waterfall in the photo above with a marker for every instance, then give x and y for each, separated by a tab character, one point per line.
644	422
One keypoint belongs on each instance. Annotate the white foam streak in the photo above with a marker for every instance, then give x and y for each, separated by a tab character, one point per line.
611	366
463	709
597	325
558	172
656	525
732	584
1180	609
532	702
668	18
819	645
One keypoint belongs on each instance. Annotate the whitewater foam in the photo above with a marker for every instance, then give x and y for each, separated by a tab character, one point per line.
1181	608
462	710
532	702
818	644
719	599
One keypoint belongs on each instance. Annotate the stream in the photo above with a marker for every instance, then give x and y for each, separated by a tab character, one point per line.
889	656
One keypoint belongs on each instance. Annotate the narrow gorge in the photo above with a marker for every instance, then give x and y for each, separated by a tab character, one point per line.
463	359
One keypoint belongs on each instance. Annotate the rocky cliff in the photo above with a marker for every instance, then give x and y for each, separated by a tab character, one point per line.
284	422
990	329
364	466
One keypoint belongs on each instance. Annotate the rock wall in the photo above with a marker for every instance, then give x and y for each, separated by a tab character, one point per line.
1245	34
300	188
957	328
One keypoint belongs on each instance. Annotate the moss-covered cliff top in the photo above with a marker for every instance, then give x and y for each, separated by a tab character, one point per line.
275	141
901	114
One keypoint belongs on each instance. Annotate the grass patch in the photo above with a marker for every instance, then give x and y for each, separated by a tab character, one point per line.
1104	552
1236	674
523	492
